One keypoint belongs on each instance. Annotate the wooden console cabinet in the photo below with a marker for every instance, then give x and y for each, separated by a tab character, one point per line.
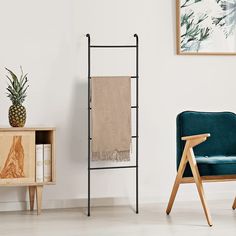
18	159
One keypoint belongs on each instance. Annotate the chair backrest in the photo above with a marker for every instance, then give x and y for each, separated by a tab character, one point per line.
221	126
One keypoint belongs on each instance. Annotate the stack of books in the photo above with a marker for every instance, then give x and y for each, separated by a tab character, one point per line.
43	163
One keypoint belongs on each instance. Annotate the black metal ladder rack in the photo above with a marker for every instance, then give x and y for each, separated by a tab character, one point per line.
136	136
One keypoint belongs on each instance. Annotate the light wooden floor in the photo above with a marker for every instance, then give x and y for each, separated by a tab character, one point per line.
121	221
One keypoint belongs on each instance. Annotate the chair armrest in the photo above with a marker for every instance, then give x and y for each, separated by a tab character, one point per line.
195	136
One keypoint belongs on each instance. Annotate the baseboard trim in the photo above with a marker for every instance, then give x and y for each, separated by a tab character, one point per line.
64	203
111	201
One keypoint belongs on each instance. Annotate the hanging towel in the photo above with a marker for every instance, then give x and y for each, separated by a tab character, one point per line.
111	118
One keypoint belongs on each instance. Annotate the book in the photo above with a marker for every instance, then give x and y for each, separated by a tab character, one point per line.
47	163
39	163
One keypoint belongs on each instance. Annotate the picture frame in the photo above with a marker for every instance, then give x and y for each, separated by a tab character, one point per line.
206	27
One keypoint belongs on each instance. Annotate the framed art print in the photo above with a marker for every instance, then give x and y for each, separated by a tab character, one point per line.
206	27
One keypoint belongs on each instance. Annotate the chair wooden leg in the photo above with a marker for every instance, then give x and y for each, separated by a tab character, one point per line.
178	179
198	181
173	195
32	196
39	190
234	204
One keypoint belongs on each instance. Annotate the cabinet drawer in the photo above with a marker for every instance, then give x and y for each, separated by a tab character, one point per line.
17	157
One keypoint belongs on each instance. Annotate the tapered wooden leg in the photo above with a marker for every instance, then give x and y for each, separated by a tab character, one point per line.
32	190
39	190
234	204
198	181
173	195
178	178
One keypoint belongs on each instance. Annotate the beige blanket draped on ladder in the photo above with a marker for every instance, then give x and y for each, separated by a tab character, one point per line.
111	118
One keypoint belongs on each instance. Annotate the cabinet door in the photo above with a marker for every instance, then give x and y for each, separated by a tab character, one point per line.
17	157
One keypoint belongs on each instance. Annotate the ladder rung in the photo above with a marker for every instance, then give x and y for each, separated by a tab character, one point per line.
134	136
113	46
133	77
112	167
131	107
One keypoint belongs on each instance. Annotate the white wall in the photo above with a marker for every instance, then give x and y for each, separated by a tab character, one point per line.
48	39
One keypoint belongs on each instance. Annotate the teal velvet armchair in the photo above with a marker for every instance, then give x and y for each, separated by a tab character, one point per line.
206	151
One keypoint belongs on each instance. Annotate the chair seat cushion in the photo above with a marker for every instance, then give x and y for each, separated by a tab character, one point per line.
214	165
214	160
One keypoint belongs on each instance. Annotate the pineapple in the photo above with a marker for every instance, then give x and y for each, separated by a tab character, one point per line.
16	91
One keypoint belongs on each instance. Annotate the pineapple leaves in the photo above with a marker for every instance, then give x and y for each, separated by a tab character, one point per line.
17	87
14	77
